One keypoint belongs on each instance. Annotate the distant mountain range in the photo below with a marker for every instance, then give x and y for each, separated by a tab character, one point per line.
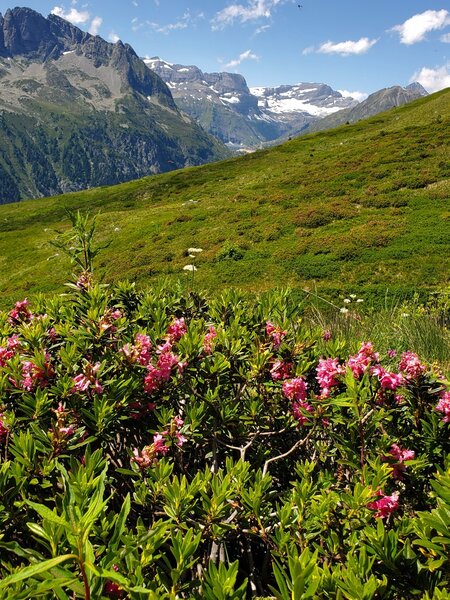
78	112
246	118
242	117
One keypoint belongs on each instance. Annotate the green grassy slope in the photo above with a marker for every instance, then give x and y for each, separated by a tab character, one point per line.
361	206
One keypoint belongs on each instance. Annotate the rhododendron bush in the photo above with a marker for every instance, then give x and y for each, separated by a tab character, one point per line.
162	444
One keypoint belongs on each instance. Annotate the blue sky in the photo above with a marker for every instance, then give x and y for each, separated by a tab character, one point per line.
349	44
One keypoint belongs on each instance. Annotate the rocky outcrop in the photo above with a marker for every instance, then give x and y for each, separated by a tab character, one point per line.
26	33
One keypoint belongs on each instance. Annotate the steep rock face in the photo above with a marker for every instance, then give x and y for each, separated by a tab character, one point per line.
245	118
26	33
77	111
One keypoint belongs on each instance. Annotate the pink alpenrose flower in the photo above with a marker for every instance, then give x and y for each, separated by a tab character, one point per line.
385	505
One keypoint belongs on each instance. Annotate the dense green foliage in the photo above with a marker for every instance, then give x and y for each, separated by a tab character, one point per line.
163	444
361	207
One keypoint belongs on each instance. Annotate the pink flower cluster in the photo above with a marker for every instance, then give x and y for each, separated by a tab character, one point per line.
326	335
388	380
156	375
4	429
84	281
328	371
112	589
6	353
62	430
208	340
140	351
176	330
365	357
88	379
276	333
107	322
411	366
397	456
385	505
296	389
443	406
366	360
34	376
148	456
20	313
280	370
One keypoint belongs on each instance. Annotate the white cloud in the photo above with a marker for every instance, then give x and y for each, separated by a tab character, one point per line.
359	96
247	55
95	25
182	23
77	17
113	37
361	46
251	11
414	29
261	29
433	79
445	38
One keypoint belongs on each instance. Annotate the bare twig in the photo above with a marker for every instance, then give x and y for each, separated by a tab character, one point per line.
255	584
280	456
243	449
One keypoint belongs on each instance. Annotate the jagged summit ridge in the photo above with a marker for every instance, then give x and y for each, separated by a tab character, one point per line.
26	33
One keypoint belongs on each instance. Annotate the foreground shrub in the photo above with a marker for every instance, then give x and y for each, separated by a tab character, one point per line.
161	445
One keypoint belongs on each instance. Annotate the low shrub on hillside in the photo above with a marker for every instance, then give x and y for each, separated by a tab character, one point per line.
162	445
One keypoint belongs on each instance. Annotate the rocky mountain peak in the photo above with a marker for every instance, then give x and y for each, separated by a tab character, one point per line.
24	31
417	88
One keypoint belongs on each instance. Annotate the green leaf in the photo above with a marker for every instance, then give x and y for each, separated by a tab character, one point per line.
47	514
121	520
35	569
